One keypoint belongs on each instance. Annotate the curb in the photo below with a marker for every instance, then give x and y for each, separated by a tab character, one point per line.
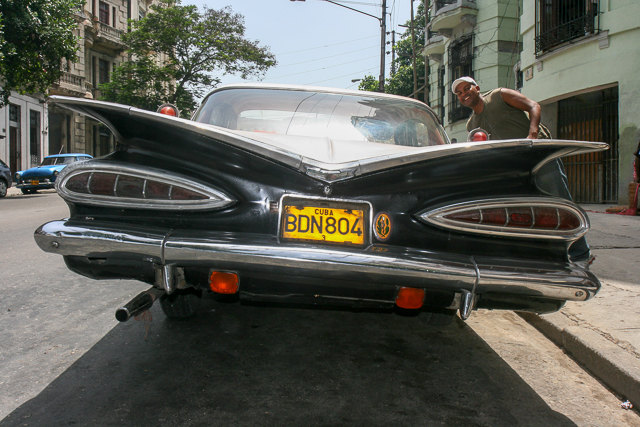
610	364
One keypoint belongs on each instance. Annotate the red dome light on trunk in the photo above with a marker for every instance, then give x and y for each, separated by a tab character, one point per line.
169	110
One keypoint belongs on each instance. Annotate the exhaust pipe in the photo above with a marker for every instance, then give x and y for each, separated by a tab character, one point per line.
140	303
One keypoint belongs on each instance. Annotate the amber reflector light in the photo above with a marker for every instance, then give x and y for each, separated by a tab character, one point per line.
223	283
410	298
538	218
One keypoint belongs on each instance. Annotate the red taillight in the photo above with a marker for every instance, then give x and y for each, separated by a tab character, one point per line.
78	183
157	190
568	221
127	186
494	216
542	218
410	298
102	183
224	283
546	218
520	217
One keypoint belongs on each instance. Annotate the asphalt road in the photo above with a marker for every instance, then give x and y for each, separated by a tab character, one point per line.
64	359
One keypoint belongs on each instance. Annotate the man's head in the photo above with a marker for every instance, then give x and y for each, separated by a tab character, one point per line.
467	91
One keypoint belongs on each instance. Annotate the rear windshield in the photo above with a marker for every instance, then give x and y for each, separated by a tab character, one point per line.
50	161
326	115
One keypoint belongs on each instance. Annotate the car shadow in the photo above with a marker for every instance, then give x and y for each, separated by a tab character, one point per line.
250	365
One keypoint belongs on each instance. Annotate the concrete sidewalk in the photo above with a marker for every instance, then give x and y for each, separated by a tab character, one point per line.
603	334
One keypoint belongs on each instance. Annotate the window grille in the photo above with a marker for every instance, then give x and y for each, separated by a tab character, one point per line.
460	64
442	89
562	21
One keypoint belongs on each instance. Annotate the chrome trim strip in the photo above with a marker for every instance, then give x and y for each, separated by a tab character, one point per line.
97	241
393	264
301	163
217	199
437	217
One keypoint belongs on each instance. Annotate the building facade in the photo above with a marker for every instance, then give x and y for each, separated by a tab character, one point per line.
23	131
477	38
577	58
101	25
580	61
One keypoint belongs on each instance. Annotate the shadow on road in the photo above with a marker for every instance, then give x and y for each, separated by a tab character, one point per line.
239	365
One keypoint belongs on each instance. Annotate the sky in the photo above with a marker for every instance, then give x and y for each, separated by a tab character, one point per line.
316	42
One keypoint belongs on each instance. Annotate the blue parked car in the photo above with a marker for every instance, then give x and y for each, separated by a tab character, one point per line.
44	176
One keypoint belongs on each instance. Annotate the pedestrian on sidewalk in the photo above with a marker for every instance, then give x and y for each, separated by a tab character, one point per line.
507	114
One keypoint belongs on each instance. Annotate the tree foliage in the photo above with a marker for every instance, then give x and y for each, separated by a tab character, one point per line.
35	37
196	48
401	83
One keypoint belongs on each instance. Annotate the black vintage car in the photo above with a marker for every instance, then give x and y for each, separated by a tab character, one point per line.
309	195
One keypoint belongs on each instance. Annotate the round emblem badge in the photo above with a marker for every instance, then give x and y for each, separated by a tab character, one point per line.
382	226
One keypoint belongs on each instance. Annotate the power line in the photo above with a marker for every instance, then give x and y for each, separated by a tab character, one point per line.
327	57
329	45
320	69
339	77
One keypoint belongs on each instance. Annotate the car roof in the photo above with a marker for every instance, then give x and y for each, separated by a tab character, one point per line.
321	89
67	155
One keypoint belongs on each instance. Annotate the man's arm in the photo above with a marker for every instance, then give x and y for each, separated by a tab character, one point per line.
521	102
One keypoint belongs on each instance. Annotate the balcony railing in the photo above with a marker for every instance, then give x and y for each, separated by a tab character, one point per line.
439	4
109	35
559	28
71	79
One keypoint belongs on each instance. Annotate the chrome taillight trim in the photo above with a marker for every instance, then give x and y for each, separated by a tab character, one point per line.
216	199
438	218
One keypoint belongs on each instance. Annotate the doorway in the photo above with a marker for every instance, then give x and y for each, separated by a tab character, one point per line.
593	177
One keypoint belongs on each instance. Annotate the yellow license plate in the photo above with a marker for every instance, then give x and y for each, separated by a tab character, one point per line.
35	182
323	224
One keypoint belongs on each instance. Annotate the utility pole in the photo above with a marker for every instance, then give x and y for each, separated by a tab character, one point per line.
383	43
427	19
413	55
393	53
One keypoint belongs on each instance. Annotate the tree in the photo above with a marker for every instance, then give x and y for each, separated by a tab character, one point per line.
175	52
35	37
369	83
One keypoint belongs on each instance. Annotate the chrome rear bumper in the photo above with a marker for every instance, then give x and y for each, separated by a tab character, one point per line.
396	266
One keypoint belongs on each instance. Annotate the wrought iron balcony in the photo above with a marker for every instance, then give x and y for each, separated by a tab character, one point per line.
555	30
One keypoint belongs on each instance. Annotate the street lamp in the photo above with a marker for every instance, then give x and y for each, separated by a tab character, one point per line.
383	32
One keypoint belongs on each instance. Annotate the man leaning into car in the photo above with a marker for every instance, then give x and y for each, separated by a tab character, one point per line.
507	114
